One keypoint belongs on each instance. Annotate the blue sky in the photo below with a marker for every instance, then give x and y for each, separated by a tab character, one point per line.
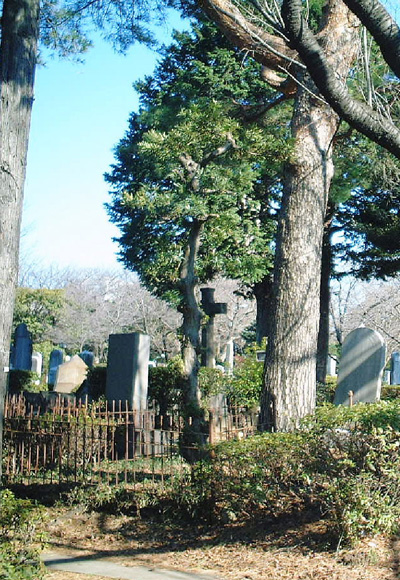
80	113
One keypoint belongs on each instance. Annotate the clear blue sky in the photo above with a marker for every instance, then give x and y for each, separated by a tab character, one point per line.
80	113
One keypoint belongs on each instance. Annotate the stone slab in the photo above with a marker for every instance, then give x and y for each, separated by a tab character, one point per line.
361	367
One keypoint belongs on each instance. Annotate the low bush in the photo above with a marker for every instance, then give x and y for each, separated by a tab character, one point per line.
19	381
20	538
344	464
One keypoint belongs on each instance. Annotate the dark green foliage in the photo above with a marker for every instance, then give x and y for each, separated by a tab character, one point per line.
165	385
390	392
96	380
245	385
20	539
201	92
344	464
40	309
19	381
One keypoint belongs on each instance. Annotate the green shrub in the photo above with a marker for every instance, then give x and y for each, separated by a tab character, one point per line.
19	381
20	539
166	385
244	387
96	380
390	392
344	463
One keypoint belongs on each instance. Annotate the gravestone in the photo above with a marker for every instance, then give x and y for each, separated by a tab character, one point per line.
361	367
36	363
70	375
211	308
128	369
56	359
230	356
395	368
22	349
331	366
87	357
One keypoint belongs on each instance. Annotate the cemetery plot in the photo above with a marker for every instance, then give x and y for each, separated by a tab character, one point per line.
96	443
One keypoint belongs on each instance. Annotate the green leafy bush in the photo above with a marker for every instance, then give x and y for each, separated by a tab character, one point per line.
344	463
19	381
20	539
244	388
96	379
166	385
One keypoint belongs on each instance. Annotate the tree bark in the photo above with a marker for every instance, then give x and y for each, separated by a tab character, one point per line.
18	52
290	366
323	72
324	302
263	294
191	319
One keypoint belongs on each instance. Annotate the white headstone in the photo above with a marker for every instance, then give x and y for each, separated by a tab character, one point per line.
37	361
361	367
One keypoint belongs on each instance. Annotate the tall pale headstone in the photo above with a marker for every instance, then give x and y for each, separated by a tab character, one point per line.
21	358
361	367
36	363
128	369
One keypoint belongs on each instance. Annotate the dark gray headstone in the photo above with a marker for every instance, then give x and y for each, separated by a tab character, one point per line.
395	368
87	357
128	368
56	359
22	351
361	367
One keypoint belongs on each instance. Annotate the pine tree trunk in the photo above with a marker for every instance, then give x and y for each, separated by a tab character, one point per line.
290	366
18	53
325	296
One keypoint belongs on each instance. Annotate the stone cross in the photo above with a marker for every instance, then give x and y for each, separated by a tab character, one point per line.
211	308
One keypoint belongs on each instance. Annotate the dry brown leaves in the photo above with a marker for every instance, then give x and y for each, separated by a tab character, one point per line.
289	550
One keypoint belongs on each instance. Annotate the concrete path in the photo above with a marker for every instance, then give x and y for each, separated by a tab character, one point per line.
101	567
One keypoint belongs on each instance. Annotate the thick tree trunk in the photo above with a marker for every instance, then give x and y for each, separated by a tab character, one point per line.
324	302
18	53
290	367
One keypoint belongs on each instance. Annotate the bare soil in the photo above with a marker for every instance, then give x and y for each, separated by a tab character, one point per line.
293	548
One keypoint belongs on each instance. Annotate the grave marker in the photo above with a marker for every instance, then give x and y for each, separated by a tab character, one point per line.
361	367
128	369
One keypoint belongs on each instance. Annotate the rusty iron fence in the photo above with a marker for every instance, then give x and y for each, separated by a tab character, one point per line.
77	443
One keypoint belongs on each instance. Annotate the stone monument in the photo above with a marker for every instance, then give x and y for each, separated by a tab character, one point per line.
56	359
70	375
21	358
361	367
211	308
395	368
128	369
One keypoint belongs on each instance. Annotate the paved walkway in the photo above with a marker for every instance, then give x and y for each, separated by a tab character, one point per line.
101	567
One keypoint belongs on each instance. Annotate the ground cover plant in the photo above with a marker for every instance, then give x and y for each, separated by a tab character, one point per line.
343	466
21	538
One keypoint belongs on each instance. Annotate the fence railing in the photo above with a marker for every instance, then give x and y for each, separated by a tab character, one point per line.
66	442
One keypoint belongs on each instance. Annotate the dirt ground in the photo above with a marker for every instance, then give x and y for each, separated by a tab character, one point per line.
263	550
